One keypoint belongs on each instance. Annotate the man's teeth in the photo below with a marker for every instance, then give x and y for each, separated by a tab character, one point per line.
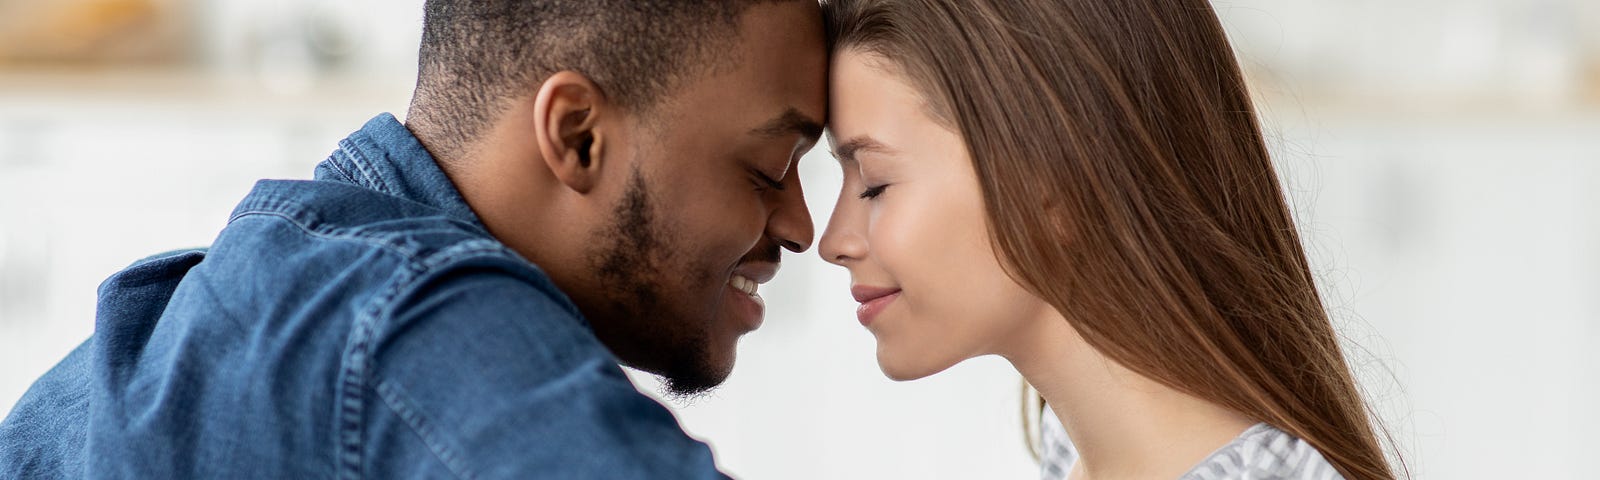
740	283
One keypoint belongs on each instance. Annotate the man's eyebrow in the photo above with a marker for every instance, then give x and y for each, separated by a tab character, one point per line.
791	122
846	151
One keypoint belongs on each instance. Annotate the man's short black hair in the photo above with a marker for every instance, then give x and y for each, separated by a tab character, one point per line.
476	54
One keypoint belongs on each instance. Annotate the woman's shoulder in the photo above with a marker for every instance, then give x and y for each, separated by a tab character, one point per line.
1264	452
1056	452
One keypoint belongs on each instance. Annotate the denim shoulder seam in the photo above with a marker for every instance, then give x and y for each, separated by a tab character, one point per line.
310	225
442	260
354	371
481	249
356	368
394	397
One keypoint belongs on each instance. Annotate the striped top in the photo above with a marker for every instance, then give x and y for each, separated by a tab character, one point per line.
1262	452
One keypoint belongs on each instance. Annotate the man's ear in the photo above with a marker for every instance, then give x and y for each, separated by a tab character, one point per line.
565	115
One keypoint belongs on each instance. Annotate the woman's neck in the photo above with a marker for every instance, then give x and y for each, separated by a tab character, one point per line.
1123	424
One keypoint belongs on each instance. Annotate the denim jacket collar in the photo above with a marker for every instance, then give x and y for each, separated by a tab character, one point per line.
385	157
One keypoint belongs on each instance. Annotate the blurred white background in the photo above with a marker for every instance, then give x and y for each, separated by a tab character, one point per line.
1443	158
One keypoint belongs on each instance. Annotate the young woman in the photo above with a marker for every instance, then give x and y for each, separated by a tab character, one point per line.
1081	187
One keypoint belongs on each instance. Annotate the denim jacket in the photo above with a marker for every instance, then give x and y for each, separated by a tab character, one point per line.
360	325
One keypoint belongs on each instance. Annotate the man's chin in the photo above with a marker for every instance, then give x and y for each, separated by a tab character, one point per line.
688	384
686	391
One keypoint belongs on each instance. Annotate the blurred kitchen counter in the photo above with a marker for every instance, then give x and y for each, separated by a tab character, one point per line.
55	95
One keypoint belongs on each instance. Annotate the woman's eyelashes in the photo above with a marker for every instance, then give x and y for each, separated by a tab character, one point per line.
873	192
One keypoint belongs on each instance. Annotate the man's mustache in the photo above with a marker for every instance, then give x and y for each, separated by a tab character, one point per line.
768	252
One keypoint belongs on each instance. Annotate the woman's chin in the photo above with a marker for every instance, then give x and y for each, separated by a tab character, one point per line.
901	368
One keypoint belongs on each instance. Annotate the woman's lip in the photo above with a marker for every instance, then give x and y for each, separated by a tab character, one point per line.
864	293
870	309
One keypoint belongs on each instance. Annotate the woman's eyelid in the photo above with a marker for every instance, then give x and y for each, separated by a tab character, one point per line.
872	193
856	173
871	174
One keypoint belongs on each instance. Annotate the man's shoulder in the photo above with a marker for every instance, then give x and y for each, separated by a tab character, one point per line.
302	296
381	247
44	435
341	211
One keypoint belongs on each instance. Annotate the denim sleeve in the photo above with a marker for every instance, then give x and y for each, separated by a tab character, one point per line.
490	376
45	434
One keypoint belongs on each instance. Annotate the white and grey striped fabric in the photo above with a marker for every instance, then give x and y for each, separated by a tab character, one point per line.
1056	453
1262	452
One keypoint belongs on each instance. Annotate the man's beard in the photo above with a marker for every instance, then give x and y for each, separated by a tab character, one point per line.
633	260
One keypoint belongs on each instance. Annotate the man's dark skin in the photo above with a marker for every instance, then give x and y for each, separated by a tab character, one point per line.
644	217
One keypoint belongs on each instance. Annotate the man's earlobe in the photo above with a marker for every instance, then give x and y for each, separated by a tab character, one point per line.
566	120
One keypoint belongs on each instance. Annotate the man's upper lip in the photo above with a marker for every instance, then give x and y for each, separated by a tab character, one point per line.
760	272
865	293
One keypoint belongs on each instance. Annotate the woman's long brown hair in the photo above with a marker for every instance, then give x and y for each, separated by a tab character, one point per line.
1127	183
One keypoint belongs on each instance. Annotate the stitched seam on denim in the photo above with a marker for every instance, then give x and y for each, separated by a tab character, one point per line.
458	251
347	420
382	234
370	324
305	218
338	166
223	310
357	368
309	222
465	250
356	362
359	160
383	312
386	242
436	261
394	396
494	250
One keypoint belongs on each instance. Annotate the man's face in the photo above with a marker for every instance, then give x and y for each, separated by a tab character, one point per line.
711	199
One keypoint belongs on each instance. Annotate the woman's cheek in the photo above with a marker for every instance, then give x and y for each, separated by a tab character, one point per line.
906	232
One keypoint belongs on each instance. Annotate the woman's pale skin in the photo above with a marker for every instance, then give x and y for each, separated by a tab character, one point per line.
910	226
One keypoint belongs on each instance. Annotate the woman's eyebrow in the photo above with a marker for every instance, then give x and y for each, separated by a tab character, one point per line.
847	150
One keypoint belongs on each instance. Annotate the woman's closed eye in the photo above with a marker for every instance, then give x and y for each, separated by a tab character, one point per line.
873	192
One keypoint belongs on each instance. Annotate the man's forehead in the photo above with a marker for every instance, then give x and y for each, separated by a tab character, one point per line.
790	122
778	52
774	82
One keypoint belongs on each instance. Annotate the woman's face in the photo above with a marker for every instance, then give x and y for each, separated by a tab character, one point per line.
910	226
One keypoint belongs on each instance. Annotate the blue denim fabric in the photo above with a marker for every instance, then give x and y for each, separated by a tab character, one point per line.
361	325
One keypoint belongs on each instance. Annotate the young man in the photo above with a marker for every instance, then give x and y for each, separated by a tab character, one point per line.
577	184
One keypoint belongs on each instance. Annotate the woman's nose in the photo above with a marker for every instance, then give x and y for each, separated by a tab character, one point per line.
844	240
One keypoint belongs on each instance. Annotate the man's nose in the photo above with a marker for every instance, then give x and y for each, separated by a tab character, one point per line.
790	224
